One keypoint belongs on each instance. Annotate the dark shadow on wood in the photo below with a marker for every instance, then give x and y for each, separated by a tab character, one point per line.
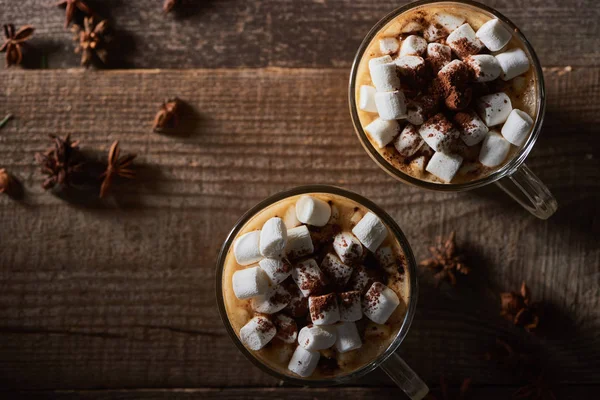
187	9
36	55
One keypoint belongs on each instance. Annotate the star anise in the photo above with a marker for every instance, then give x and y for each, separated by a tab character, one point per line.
13	42
445	259
59	162
91	39
5	181
518	308
117	166
464	388
71	5
168	5
168	115
538	389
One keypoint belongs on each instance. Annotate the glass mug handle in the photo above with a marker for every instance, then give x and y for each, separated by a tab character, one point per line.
529	191
405	377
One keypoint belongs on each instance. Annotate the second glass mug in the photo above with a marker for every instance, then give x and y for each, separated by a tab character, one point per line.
514	177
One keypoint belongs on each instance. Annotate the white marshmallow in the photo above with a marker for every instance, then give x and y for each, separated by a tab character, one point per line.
412	26
246	248
485	67
347	337
287	330
385	77
472	129
347	247
371	231
382	132
313	337
379	60
441	26
350	306
304	362
337	272
444	166
391	105
289	218
313	211
493	150
413	45
308	276
359	279
464	42
379	303
438	133
409	141
299	243
250	282
494	108
385	256
493	35
388	45
439	55
273	237
257	333
415	114
324	309
276	269
366	99
517	127
409	65
418	164
274	300
513	62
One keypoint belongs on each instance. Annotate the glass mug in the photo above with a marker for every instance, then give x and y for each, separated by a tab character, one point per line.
514	177
388	360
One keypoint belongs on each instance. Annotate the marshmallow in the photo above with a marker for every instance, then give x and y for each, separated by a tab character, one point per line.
335	215
418	164
391	105
439	133
412	26
273	237
385	256
359	279
441	26
379	60
366	99
438	55
308	277
411	67
250	282
313	337
385	77
347	337
494	108
389	45
299	243
371	231
304	362
493	150
517	127
472	129
287	330
347	247
324	309
415	114
337	272
276	269
298	306
444	166
382	132
413	45
246	248
289	218
464	42
313	211
257	333
379	303
485	67
349	305
274	300
513	62
409	141
493	35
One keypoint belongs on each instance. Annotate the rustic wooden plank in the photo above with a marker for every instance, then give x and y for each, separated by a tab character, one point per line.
262	33
120	294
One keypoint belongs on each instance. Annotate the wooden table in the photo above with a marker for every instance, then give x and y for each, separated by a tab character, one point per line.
115	299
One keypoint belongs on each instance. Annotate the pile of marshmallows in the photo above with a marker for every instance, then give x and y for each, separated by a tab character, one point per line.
389	101
333	315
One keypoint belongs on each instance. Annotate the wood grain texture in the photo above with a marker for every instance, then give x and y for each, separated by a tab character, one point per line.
280	33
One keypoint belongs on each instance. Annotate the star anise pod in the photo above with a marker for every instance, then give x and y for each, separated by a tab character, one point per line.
445	260
168	115
13	42
91	39
117	166
538	389
5	181
464	388
518	308
59	162
168	5
71	5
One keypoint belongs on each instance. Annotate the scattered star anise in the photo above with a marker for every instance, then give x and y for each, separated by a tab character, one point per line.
464	388
117	166
13	42
59	162
168	5
168	115
71	5
538	389
5	181
445	259
91	40
518	308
